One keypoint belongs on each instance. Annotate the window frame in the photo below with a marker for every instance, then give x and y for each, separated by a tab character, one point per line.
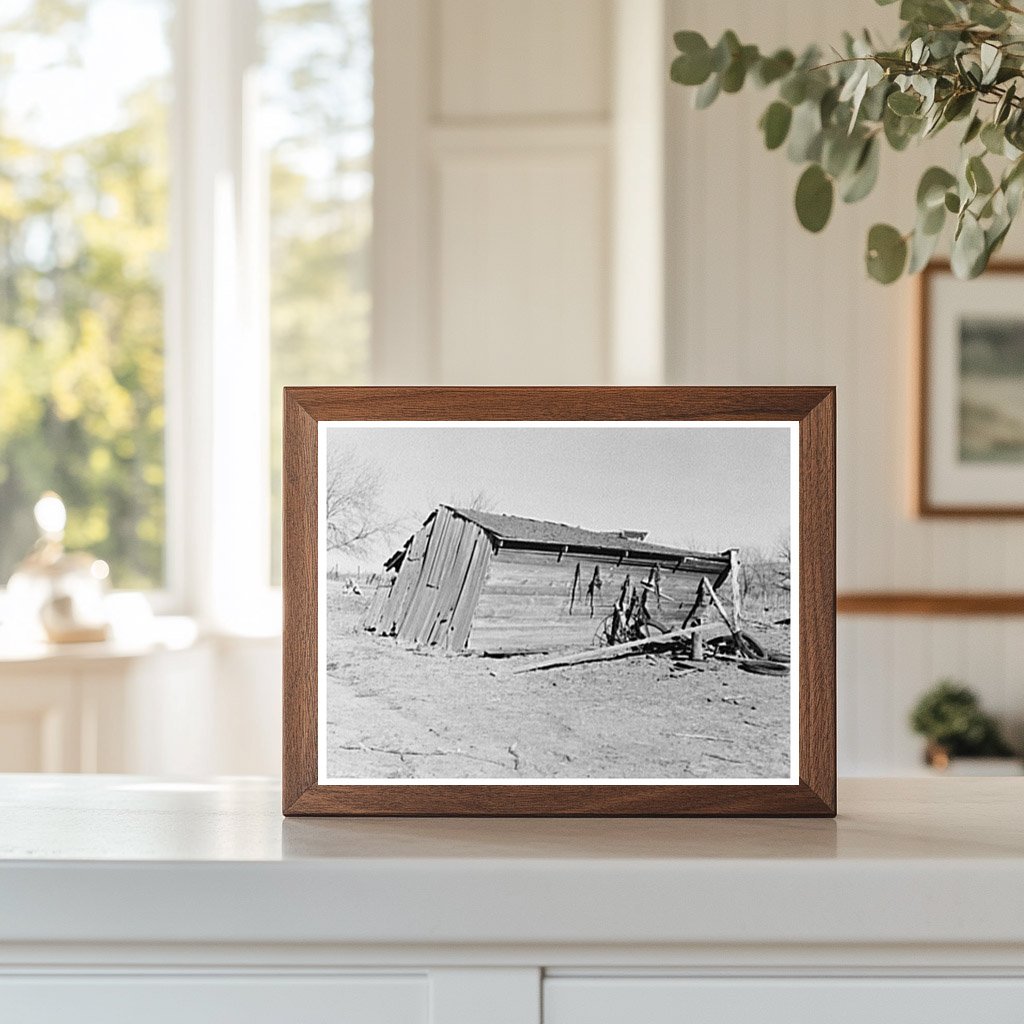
217	351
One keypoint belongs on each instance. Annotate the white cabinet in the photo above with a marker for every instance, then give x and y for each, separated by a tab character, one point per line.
828	1000
202	999
131	899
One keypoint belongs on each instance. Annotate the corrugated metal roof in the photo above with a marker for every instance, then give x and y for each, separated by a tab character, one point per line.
539	531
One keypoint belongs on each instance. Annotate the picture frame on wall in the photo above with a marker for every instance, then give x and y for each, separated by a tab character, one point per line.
970	421
559	601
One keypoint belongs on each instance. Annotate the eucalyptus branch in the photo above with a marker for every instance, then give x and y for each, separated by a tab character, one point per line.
955	59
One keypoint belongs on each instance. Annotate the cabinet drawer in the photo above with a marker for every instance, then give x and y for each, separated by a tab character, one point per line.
202	999
782	1001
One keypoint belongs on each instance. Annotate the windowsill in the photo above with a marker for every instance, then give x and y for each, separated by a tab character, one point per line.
161	633
143	624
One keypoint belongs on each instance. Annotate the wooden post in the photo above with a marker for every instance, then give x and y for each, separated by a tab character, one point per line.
734	580
697	647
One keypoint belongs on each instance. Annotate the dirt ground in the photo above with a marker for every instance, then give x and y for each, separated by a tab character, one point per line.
399	713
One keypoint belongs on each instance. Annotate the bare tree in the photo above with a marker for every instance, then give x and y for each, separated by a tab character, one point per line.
764	578
478	501
354	507
755	575
784	569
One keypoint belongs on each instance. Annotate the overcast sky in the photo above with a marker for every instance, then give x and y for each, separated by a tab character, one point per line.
708	488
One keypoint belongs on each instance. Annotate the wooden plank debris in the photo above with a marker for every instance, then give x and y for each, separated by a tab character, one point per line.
615	650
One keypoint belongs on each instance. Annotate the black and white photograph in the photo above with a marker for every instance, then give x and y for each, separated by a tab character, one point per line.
573	602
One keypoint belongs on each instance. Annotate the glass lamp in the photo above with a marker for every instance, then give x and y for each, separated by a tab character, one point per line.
55	595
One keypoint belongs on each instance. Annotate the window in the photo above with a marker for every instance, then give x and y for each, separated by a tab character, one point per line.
83	235
185	222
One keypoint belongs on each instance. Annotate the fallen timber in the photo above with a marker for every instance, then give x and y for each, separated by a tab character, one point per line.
617	650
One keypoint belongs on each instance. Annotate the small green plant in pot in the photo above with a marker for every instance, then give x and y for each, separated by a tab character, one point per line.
950	717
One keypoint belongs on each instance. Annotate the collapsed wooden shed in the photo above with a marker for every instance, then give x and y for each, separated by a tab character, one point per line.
488	582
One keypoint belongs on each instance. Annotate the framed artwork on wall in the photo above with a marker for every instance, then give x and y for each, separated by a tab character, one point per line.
559	601
970	450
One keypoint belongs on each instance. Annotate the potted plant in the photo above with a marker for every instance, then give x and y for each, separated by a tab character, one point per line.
950	718
956	62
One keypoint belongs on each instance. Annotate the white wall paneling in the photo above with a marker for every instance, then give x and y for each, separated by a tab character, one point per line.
774	1001
403	349
208	708
522	283
533	58
518	159
751	298
638	225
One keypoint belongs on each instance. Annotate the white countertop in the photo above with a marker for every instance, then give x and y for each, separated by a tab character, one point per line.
121	859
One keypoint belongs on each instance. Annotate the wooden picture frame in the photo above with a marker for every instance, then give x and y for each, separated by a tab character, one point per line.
940	489
808	413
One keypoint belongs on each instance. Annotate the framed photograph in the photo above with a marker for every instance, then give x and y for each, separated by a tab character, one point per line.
970	451
559	601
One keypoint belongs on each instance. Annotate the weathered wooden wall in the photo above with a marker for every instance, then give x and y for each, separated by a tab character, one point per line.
527	598
435	592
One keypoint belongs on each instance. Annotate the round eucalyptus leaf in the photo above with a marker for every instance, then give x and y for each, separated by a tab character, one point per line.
707	93
978	176
771	69
952	202
735	74
987	15
874	103
933	187
805	133
903	103
931	221
775	123
991	60
944	44
899	130
814	195
840	152
794	89
828	103
957	107
689	42
693	65
887	253
725	51
993	138
973	130
865	173
968	255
